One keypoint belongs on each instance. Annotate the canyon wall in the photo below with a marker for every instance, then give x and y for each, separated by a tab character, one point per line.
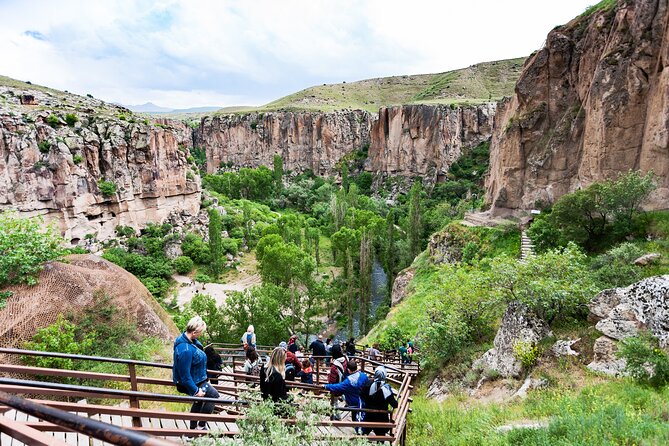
592	103
55	152
412	140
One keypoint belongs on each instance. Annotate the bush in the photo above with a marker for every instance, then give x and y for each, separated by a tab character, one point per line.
71	119
392	337
25	244
202	278
646	361
615	268
526	352
53	120
77	158
57	337
157	286
183	264
194	247
125	231
230	245
107	188
44	146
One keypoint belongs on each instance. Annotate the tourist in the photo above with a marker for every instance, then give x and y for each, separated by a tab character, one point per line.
299	355
317	347
373	352
328	351
403	354
292	344
214	362
306	375
350	387
337	373
377	395
189	369
410	351
290	357
272	378
350	347
252	364
249	338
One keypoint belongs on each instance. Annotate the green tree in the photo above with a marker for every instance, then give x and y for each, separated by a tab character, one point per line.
365	287
415	221
391	255
25	244
215	242
278	174
345	182
57	337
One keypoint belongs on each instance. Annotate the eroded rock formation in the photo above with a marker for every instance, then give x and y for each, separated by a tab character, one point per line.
53	157
411	140
592	103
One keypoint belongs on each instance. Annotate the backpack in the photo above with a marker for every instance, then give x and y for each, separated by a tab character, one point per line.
249	338
290	372
255	368
340	370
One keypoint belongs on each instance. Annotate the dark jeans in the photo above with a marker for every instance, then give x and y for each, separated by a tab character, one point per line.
204	407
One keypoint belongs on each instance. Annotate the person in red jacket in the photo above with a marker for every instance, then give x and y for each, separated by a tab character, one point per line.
337	373
291	358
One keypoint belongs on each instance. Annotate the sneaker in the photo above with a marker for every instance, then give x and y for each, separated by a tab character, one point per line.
202	428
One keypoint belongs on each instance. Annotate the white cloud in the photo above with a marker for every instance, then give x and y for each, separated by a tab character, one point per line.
185	53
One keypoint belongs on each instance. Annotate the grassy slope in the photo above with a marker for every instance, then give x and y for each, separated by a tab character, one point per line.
475	84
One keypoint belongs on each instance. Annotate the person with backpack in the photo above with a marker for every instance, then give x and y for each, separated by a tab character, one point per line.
214	362
378	395
351	387
252	364
306	375
293	365
272	379
249	338
350	347
410	351
403	354
337	373
189	369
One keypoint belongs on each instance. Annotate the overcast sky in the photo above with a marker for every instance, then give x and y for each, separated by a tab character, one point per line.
212	52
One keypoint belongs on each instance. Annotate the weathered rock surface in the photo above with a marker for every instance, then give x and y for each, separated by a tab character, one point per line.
590	104
648	259
400	285
50	168
518	325
605	359
564	347
407	140
621	312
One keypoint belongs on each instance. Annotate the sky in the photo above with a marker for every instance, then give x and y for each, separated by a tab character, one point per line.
182	54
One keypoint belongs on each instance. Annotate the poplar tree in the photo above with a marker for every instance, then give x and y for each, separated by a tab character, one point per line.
215	242
365	276
415	220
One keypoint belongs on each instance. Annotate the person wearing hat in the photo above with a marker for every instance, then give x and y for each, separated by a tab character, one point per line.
378	395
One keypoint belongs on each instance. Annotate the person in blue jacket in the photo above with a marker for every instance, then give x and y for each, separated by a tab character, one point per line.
351	387
189	370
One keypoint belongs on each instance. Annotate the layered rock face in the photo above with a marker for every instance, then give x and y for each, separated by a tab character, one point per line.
592	103
51	168
304	140
412	140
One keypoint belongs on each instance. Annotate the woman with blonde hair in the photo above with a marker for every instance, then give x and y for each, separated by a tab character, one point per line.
189	369
272	377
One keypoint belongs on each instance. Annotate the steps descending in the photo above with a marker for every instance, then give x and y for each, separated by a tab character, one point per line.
526	247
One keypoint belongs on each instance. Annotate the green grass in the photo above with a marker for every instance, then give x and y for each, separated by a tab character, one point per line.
608	413
472	85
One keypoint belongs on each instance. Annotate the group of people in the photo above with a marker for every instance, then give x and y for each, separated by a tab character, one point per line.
286	363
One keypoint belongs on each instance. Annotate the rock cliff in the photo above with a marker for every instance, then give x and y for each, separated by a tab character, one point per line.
56	148
412	140
592	103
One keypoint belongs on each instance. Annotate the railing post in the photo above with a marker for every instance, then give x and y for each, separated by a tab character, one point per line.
318	371
134	401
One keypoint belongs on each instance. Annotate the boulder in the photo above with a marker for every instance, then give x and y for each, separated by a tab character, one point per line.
518	324
605	359
648	259
400	285
621	312
563	348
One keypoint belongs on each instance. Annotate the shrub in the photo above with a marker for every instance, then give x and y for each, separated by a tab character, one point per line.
646	361
53	120
157	286
57	337
25	244
107	188
230	245
203	278
194	247
44	146
125	231
392	337
77	159
526	352
71	119
183	264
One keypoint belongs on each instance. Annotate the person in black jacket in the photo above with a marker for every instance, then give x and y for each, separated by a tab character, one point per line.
272	378
377	395
214	362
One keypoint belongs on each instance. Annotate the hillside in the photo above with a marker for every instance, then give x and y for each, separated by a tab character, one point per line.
482	82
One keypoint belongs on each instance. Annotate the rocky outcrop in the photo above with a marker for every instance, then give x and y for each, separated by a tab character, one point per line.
590	104
621	312
400	285
411	140
605	359
315	141
54	156
519	324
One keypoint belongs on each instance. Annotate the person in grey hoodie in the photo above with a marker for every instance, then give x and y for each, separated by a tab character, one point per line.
189	369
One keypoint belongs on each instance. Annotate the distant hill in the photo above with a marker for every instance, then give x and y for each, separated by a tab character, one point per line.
148	107
482	82
153	109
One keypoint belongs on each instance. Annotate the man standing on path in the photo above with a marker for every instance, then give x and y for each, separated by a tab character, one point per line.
317	347
351	387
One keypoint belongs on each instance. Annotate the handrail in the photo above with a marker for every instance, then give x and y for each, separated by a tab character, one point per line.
93	428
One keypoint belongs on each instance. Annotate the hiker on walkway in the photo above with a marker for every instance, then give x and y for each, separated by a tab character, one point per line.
373	352
337	373
290	357
378	395
189	370
350	347
272	379
249	338
317	347
306	375
404	356
214	362
252	364
351	388
292	344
